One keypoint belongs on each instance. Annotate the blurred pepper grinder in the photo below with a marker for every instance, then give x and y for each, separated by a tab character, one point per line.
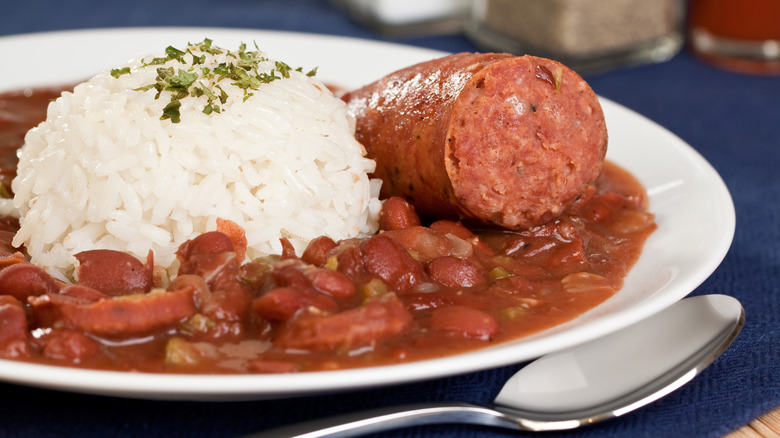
738	35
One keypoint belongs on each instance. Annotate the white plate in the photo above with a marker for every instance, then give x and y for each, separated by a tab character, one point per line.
694	211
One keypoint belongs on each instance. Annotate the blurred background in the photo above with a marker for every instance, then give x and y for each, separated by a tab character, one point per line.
592	35
588	35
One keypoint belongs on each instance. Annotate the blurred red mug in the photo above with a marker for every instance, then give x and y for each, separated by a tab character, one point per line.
739	35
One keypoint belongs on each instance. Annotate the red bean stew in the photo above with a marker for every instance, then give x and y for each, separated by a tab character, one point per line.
413	291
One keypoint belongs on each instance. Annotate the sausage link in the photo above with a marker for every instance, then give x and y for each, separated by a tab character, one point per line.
493	138
368	324
117	317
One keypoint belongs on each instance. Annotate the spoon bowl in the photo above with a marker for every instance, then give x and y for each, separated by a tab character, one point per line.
585	384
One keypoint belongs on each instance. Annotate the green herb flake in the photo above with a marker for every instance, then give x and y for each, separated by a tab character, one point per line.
203	91
174	53
164	73
206	47
211	108
198	59
188	80
145	87
223	96
245	81
171	111
222	69
157	61
283	69
117	72
267	78
249	61
181	81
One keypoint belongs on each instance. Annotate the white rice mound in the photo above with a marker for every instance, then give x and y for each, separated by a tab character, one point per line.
105	172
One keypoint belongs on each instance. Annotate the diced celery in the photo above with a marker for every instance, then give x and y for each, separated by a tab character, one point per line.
181	353
513	313
332	263
374	288
499	272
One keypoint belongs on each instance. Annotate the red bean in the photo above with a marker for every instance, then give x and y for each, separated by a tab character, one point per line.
425	243
22	280
282	303
458	230
69	346
13	329
196	283
113	273
278	304
213	242
288	250
290	274
455	228
333	283
390	261
350	262
255	273
464	321
211	267
225	298
318	250
397	213
556	245
453	272
229	301
210	256
6	236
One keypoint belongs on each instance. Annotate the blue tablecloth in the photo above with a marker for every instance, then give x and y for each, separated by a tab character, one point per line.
731	119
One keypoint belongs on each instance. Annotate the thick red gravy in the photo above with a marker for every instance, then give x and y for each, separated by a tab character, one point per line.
413	291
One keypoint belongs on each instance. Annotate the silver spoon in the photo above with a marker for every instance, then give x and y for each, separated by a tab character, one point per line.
591	382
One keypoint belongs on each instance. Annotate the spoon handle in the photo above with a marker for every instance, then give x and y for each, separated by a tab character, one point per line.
373	421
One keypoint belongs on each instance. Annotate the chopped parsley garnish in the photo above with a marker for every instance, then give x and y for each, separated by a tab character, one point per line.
194	78
117	72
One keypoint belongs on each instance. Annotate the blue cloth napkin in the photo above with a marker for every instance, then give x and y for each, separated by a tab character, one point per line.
731	119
